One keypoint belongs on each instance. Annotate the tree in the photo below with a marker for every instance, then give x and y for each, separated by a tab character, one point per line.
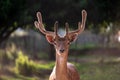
10	15
19	13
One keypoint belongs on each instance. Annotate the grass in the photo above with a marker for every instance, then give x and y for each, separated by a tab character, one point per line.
99	71
95	67
88	71
43	69
17	78
98	67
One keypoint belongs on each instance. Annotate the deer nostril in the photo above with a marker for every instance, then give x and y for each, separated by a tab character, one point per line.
62	50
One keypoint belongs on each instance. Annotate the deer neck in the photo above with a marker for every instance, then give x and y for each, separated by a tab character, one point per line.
61	66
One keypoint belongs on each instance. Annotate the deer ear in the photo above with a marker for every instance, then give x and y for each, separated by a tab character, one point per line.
73	37
50	38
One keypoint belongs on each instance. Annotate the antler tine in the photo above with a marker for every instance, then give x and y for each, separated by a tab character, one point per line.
40	26
81	26
84	15
56	28
66	28
39	16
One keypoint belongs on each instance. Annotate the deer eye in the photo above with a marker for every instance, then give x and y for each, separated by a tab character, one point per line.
68	43
55	43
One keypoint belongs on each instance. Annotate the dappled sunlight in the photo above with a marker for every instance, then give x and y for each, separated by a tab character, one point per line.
89	66
19	32
24	68
11	48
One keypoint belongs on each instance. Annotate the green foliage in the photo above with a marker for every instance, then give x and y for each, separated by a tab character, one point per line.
10	17
4	8
90	67
27	67
6	57
102	27
24	65
8	7
90	27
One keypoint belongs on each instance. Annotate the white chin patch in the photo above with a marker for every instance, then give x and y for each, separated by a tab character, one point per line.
59	54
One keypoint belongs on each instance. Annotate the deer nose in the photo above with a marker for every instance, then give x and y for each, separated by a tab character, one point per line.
62	50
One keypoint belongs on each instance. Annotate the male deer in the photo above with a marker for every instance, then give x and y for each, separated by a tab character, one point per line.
62	70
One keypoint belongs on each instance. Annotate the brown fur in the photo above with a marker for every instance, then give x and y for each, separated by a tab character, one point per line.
71	71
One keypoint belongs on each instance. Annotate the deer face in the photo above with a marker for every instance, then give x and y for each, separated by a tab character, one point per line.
61	44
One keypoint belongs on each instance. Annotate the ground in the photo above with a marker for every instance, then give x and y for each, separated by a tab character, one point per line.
97	64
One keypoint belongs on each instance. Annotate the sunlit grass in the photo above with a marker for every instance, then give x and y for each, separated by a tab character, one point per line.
88	71
94	68
46	65
19	77
42	72
99	71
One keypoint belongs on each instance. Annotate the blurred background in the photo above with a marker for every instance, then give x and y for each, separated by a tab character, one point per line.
26	55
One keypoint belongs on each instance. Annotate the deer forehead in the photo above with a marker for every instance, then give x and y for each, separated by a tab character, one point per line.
61	39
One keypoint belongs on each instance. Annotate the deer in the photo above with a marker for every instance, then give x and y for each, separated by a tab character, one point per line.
62	70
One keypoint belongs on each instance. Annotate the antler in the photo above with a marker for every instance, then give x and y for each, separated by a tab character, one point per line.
67	29
40	26
56	28
80	26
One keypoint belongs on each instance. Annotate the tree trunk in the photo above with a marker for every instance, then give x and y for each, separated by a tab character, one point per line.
52	53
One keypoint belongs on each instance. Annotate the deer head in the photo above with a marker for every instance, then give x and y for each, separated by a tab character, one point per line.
61	43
